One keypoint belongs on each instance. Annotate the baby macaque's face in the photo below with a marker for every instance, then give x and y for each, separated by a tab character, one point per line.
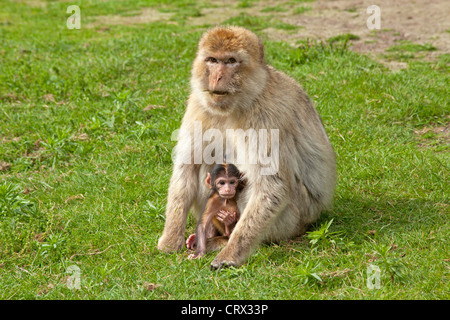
226	186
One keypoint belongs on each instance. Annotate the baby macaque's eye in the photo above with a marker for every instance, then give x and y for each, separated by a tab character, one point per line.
232	182
221	183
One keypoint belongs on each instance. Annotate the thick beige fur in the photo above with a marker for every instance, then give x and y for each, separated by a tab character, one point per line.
274	207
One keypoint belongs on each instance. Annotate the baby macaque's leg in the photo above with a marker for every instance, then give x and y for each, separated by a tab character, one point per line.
216	243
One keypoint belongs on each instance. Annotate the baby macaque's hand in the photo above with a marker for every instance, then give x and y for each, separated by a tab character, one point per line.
226	217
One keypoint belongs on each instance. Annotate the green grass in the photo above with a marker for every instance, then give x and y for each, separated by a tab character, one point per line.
86	162
343	38
275	9
300	10
406	50
259	23
411	47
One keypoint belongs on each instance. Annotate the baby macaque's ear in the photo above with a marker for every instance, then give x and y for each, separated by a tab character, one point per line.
242	181
208	181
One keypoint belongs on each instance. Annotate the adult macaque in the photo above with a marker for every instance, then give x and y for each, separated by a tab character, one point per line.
233	88
221	212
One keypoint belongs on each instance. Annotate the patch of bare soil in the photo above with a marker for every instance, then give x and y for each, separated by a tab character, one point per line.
146	15
420	21
430	136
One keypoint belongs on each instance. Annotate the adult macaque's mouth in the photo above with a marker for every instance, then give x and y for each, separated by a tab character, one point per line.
219	93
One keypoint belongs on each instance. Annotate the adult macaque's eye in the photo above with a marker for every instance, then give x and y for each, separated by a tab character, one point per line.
211	59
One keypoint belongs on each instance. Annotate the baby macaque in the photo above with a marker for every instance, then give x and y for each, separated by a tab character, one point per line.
221	212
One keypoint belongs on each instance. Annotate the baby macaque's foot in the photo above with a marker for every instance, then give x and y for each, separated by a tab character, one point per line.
190	242
194	256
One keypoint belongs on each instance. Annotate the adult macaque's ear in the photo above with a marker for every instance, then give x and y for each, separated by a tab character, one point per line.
208	181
